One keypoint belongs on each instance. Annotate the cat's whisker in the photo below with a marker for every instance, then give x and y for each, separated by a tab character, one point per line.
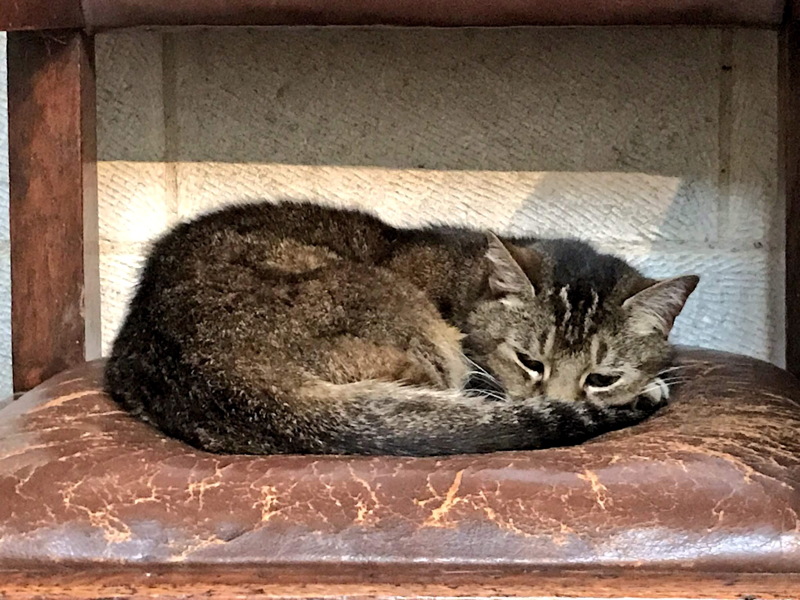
667	381
676	380
662	383
675	376
486	394
652	388
482	377
483	373
671	369
653	385
472	362
480	371
666	371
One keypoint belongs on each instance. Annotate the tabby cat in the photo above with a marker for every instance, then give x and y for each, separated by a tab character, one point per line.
294	328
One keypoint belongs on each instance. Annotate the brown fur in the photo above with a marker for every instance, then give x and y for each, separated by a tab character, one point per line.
294	328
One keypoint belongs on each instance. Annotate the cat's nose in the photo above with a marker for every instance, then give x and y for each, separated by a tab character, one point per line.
562	389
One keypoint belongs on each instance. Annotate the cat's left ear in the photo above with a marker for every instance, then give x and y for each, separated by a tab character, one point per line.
656	307
506	277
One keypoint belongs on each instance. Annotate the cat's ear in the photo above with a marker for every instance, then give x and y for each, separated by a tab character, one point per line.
655	308
506	277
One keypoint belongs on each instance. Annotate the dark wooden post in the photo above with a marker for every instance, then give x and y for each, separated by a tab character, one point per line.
789	135
55	304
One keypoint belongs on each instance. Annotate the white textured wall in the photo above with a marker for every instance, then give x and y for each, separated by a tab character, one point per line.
659	144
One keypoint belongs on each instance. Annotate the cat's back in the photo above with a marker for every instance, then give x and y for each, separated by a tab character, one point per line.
214	288
237	230
210	277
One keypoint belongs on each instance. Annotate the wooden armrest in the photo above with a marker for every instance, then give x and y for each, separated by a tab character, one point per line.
41	14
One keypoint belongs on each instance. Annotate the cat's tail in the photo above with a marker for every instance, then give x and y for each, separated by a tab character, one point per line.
368	417
374	417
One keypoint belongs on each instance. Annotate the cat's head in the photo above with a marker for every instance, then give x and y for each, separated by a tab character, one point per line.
567	322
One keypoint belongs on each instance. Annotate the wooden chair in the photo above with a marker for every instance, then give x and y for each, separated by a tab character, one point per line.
55	329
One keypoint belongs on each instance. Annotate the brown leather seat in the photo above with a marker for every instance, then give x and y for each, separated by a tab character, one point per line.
107	14
711	483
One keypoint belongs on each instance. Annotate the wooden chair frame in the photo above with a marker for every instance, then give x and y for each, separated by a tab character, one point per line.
55	325
55	291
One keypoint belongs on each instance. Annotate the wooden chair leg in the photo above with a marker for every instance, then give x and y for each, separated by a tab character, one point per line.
55	299
789	136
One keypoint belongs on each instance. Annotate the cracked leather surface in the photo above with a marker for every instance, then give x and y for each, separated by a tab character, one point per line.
712	482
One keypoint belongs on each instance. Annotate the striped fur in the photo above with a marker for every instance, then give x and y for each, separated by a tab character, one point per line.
294	328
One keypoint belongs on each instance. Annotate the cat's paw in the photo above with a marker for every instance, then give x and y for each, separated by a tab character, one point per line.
655	396
658	390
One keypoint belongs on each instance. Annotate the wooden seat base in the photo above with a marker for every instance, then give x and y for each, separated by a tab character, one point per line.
710	484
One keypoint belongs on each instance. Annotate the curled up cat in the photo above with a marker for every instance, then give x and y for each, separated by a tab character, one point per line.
294	328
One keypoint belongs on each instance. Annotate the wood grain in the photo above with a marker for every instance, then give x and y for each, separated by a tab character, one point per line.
55	308
789	174
365	581
40	14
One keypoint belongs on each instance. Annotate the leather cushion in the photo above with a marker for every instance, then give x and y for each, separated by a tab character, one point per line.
710	483
103	14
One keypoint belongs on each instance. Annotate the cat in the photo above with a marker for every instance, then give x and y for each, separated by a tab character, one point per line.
295	328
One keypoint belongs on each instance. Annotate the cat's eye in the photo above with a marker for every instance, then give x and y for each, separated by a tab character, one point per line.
536	366
601	380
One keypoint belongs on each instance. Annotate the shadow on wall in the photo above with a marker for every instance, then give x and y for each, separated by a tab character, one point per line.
612	135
